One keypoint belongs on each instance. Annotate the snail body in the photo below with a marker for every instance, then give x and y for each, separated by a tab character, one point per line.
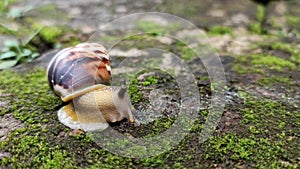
81	75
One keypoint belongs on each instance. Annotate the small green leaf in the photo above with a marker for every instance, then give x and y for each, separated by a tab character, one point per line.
7	55
34	55
26	52
14	13
8	64
11	43
5	49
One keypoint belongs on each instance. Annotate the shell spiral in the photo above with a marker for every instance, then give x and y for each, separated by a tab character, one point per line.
79	69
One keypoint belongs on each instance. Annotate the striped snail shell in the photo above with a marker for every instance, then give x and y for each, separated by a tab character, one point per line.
81	75
78	69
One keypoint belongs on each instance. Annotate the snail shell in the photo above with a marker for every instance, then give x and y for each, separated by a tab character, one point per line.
81	74
79	69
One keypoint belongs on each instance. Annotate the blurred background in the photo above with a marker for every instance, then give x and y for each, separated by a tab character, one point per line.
42	25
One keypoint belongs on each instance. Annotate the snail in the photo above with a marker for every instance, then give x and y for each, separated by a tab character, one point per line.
81	75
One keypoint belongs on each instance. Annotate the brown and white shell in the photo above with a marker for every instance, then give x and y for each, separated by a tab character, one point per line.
79	69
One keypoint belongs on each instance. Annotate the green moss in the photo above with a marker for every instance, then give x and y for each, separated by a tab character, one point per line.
134	91
43	142
260	15
290	48
4	5
184	51
32	91
32	99
293	20
136	86
267	117
283	47
150	80
273	80
161	125
272	62
259	152
58	159
257	26
241	69
220	30
271	119
150	27
258	63
187	53
51	33
296	58
156	29
140	41
275	23
30	151
153	161
6	31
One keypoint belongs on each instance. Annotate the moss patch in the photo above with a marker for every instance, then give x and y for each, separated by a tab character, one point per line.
275	56
274	80
271	62
293	52
279	123
150	27
50	34
259	152
270	141
30	93
294	23
269	116
271	138
259	63
258	25
4	6
143	41
220	30
181	49
134	91
31	103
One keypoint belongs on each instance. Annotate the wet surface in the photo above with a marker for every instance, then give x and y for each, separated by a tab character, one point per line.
8	123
